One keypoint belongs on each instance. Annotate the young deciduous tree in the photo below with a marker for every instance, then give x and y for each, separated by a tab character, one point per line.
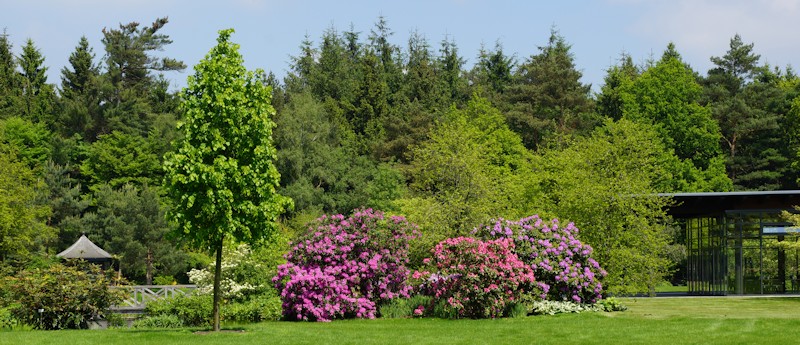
605	183
221	178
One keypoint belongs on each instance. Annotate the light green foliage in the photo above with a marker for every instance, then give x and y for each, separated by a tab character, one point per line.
119	159
22	217
471	169
191	310
30	141
605	184
221	178
666	95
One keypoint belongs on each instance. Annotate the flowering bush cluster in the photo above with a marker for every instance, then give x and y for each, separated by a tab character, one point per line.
238	267
475	278
345	267
563	265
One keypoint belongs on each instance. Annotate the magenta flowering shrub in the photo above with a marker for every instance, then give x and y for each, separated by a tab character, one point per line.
345	267
475	278
563	264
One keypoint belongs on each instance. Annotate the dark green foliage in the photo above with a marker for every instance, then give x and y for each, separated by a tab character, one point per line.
38	97
130	222
10	81
80	95
68	296
741	95
66	202
547	99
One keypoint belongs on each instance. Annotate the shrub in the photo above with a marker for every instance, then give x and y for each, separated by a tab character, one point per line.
238	272
164	280
259	308
345	267
475	278
415	306
115	320
158	321
559	307
61	296
610	304
563	265
192	310
7	319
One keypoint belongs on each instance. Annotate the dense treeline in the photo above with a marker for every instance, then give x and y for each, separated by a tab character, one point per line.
408	128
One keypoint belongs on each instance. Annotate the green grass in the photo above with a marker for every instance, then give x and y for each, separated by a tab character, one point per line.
703	320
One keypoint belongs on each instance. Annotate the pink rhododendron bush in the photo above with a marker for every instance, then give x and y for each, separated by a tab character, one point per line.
474	278
563	265
345	267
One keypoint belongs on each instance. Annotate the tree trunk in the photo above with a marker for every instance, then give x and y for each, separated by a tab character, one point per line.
148	276
217	278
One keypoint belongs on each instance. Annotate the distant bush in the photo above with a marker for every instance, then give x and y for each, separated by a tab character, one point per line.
346	267
415	306
61	297
164	280
265	307
471	278
563	265
191	310
610	304
7	319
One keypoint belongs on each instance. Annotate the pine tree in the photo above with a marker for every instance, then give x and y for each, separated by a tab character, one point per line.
38	97
547	98
10	83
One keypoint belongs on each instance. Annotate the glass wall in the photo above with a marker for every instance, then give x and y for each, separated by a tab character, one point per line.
742	252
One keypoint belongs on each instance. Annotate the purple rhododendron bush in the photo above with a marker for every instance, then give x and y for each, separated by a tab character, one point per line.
475	278
563	265
346	267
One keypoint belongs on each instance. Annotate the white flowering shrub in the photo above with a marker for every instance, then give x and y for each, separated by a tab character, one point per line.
241	275
547	307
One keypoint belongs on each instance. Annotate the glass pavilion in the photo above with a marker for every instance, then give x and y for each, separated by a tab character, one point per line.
732	241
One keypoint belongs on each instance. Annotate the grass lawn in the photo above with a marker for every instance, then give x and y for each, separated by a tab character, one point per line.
702	320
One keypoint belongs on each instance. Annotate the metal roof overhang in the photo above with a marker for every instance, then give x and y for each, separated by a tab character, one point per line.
689	205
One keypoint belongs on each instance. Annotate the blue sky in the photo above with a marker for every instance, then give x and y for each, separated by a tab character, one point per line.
270	31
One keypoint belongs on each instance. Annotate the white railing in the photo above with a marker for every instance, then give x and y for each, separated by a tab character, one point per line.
139	295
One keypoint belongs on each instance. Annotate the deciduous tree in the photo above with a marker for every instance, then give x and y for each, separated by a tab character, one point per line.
221	178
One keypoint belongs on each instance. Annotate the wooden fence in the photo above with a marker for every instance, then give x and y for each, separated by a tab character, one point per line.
139	295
